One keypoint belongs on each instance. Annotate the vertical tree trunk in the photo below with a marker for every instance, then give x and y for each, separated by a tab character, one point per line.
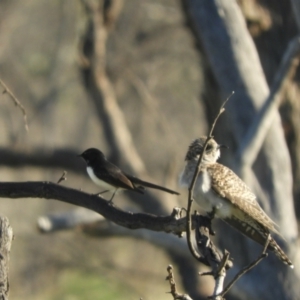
6	236
221	29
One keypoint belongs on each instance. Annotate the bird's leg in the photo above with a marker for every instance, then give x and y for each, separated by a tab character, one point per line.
212	213
181	210
211	216
112	197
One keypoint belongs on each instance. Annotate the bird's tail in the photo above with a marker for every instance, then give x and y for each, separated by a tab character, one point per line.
259	235
280	253
137	181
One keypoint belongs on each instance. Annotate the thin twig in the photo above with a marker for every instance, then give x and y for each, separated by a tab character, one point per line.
220	276
62	177
246	269
192	185
171	279
16	102
210	273
224	262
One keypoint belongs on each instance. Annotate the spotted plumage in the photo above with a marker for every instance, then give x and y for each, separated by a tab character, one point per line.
218	187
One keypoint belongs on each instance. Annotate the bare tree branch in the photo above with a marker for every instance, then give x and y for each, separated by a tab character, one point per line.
218	262
16	102
242	272
173	223
63	177
255	136
171	279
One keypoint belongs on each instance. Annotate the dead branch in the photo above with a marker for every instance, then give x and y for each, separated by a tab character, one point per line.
16	102
48	190
254	138
246	269
175	294
63	177
218	261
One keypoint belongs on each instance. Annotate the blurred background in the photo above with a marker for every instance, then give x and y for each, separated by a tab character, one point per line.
139	80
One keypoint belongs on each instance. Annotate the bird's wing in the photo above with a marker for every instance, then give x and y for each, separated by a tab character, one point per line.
114	176
231	188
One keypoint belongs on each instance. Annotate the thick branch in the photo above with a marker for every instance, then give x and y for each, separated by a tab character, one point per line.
130	220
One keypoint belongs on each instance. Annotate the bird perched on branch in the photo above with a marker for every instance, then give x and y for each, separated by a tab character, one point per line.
110	177
219	189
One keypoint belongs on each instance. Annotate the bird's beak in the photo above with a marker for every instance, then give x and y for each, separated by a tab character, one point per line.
223	146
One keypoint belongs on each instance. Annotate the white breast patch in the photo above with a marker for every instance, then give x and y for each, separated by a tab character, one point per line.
208	199
98	181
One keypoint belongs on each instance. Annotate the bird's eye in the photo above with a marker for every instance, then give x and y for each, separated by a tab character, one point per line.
208	147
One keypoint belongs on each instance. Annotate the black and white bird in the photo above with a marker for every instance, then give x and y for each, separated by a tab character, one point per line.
111	178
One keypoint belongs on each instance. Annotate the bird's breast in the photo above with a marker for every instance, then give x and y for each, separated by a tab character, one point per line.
208	199
204	195
97	180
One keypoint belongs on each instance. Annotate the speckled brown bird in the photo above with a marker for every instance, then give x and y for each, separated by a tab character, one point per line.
219	188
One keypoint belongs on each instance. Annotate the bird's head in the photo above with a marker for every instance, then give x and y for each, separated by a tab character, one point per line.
92	154
212	151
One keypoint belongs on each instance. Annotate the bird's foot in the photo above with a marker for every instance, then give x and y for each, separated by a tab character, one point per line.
211	231
110	202
209	218
181	210
112	197
212	213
